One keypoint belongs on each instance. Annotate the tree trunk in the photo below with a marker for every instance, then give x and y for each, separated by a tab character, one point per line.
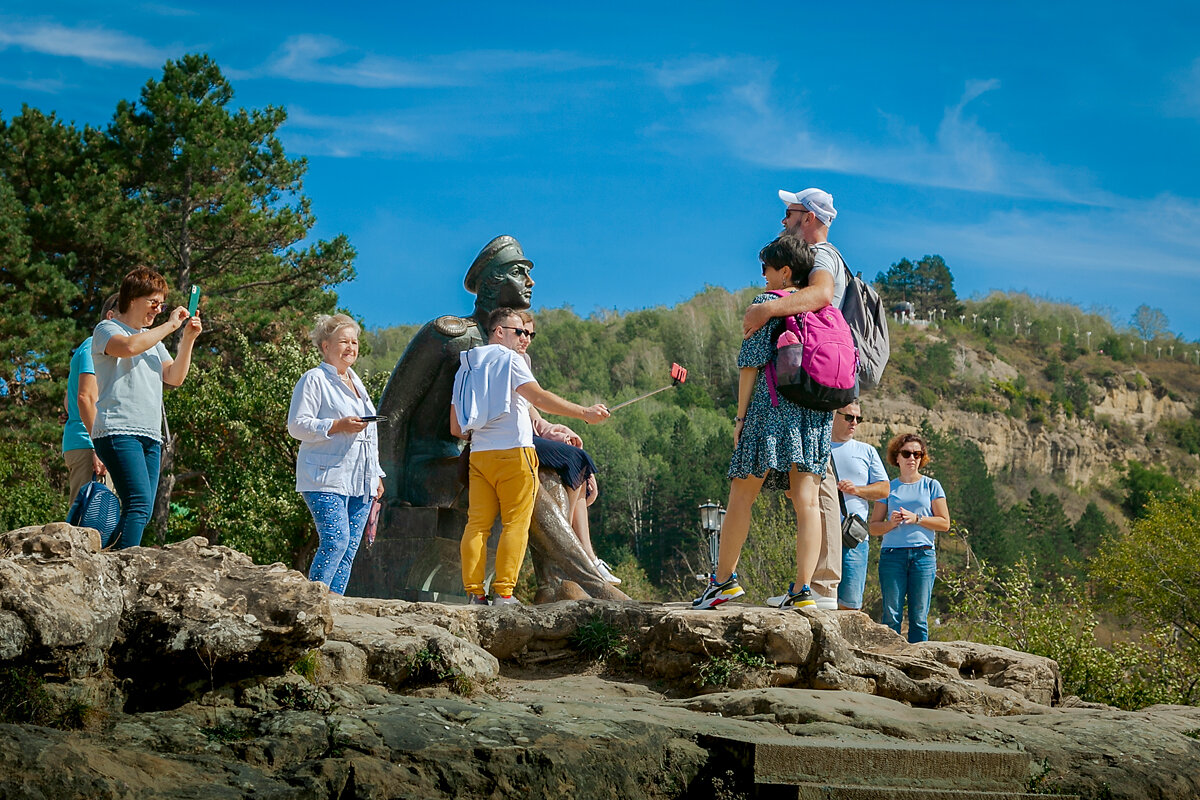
166	485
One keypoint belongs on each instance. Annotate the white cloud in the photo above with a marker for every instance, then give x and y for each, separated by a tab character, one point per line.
741	107
427	130
324	59
95	45
48	85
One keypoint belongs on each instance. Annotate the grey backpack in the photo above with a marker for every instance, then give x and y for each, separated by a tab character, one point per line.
864	313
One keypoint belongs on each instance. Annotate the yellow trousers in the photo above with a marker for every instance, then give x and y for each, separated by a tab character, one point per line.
503	482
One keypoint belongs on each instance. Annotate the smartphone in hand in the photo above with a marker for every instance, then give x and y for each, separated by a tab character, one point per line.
194	301
374	418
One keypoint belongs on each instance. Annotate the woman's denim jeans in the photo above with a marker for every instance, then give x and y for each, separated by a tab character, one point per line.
133	463
340	522
907	572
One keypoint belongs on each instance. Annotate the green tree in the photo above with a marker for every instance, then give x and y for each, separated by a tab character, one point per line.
222	204
1150	323
928	284
1150	573
1142	483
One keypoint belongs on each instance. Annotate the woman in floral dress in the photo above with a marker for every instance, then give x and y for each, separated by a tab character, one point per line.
778	444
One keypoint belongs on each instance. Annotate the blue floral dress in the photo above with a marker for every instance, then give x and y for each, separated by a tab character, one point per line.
775	437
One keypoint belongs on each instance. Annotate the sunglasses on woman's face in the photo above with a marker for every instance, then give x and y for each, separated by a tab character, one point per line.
912	453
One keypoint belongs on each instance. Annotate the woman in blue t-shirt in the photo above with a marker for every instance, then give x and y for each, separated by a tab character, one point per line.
907	519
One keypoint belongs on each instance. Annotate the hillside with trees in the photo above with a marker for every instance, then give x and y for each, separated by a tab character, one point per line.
1067	440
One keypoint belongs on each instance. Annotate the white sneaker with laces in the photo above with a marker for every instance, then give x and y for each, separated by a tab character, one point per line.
606	572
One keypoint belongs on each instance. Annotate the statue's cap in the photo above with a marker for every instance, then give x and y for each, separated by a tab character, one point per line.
497	253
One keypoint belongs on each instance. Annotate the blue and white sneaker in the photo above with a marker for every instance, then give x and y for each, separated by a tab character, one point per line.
718	593
801	599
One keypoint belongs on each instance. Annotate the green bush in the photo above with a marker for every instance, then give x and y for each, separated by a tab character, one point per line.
1002	607
1150	574
29	496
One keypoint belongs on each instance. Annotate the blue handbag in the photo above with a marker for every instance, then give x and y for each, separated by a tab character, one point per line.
96	507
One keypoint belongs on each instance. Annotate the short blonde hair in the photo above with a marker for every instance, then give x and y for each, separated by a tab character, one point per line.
328	325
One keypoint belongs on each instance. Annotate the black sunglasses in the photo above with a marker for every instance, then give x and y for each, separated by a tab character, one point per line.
852	418
912	453
520	331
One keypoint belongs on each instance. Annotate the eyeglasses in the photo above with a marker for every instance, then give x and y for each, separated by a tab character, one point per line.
765	268
912	454
852	418
520	332
157	304
791	211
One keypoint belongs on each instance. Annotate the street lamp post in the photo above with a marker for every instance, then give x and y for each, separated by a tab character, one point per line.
1060	333
1089	340
974	319
1143	347
712	518
997	319
962	319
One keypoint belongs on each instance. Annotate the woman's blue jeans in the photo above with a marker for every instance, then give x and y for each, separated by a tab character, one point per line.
133	463
340	522
906	573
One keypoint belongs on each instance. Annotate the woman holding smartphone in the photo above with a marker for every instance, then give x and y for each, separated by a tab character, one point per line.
907	519
337	468
131	365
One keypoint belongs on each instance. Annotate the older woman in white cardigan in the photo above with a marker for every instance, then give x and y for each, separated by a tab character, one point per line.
337	468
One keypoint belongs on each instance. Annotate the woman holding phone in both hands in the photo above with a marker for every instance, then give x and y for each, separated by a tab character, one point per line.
337	468
907	519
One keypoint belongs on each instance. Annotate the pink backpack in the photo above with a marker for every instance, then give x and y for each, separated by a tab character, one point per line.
816	363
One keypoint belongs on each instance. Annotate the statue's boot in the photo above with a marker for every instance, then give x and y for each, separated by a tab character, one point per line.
563	568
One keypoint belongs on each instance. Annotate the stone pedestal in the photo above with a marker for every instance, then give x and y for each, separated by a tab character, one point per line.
415	556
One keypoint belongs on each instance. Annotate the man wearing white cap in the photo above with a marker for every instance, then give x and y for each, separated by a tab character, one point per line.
808	216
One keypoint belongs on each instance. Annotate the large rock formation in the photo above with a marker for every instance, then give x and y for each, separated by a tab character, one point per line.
577	699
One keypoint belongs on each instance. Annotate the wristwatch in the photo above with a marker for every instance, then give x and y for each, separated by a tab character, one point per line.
736	420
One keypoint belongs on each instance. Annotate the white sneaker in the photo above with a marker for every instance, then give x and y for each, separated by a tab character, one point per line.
606	572
505	600
825	603
777	600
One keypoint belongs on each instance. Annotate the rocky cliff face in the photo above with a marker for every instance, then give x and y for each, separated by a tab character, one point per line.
578	699
1074	451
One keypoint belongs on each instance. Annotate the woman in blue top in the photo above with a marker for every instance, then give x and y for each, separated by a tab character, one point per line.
337	466
779	446
914	509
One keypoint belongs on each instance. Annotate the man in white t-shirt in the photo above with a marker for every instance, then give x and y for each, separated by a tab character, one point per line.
808	215
493	390
861	478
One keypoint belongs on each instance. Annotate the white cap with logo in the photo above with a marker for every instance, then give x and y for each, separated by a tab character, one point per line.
817	201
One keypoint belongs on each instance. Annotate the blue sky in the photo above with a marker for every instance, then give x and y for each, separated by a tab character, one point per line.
636	149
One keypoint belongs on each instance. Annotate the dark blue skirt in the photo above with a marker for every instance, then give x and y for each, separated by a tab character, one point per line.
573	465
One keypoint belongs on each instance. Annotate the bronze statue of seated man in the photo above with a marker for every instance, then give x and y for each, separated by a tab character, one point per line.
420	455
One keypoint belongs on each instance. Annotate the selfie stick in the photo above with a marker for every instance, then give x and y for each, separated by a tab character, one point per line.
678	376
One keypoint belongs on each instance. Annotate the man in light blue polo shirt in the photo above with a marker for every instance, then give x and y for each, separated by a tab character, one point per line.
80	403
861	478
